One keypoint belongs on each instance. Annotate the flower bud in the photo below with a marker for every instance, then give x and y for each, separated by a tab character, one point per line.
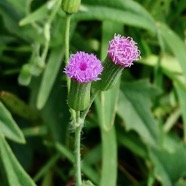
71	6
122	52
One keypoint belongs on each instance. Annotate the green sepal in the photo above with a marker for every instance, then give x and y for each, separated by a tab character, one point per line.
109	76
79	95
71	6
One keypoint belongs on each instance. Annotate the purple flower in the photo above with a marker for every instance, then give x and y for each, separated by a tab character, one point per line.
84	67
123	50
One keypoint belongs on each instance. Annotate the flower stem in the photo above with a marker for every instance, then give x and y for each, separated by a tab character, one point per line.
78	128
79	122
67	41
67	38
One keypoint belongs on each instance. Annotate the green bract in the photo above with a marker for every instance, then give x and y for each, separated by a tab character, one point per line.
79	95
109	76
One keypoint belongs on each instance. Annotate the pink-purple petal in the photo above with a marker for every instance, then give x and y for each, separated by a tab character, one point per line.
84	67
123	51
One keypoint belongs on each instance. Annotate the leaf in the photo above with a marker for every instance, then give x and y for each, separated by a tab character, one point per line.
168	62
114	15
15	173
11	18
109	104
182	102
134	109
176	45
37	15
19	5
169	166
49	76
8	126
131	5
19	107
169	66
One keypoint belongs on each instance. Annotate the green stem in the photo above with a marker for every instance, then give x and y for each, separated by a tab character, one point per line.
67	41
67	38
79	122
78	128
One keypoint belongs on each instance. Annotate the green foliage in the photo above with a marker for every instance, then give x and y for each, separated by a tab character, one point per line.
134	134
9	128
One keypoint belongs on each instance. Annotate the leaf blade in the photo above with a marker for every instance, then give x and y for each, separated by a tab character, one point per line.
9	127
15	173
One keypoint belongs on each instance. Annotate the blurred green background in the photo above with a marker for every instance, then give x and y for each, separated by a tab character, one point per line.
134	134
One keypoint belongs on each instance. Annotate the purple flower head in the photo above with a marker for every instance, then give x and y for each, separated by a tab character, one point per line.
123	50
84	67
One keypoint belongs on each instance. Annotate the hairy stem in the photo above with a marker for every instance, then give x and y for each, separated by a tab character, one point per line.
78	128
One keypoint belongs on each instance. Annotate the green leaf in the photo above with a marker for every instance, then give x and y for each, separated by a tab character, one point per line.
182	102
168	62
169	166
182	183
114	15
18	5
175	44
128	5
15	173
37	15
134	109
49	76
169	66
8	126
109	101
18	106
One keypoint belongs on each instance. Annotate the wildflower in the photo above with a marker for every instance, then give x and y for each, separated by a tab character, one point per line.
83	68
122	52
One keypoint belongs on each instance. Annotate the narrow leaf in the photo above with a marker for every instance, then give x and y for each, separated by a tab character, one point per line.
15	173
175	43
18	106
8	126
49	76
37	15
115	15
182	102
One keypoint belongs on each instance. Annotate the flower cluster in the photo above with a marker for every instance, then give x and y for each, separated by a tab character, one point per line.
123	51
84	67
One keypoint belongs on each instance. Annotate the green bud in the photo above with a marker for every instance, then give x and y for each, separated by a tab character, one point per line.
79	95
109	76
71	6
25	75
